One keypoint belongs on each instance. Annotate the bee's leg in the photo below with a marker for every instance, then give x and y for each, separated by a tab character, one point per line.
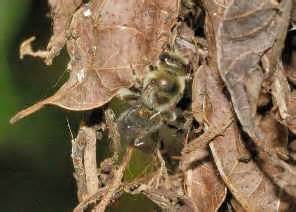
126	94
186	116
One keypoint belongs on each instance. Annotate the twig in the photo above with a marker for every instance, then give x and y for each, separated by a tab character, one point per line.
78	146
113	130
90	160
84	161
106	195
198	148
115	183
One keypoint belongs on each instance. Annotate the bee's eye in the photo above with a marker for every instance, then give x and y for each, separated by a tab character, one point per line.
153	82
164	56
171	60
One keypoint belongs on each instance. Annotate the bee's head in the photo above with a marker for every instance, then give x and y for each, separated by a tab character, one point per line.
173	62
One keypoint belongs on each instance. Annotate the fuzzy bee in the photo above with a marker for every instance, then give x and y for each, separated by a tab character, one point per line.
163	87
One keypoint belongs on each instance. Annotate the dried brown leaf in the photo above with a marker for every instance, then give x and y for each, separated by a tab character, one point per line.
61	13
203	183
293	14
246	182
272	157
252	189
214	14
205	187
110	44
248	30
276	135
208	110
236	206
284	100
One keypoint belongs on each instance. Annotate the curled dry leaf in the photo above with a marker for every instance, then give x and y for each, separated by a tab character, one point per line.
284	100
185	43
248	30
272	157
293	14
205	187
236	206
214	14
252	189
110	44
291	119
207	110
61	13
276	135
203	184
246	182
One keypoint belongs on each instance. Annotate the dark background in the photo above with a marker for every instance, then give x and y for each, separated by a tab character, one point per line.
35	163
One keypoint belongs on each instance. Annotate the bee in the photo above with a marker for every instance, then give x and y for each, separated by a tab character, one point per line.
164	85
162	89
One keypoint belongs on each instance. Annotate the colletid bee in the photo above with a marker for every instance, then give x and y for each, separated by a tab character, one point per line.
163	87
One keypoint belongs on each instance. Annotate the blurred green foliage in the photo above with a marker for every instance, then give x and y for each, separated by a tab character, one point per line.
11	14
35	153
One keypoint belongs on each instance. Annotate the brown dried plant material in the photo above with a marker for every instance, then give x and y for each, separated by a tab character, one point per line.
242	41
272	154
202	87
115	184
284	100
291	120
167	191
205	187
110	43
236	206
203	183
293	14
85	162
61	14
214	15
246	182
252	189
106	194
78	146
207	110
276	135
273	159
248	30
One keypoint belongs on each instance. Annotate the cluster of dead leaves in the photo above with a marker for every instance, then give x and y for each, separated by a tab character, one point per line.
243	98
